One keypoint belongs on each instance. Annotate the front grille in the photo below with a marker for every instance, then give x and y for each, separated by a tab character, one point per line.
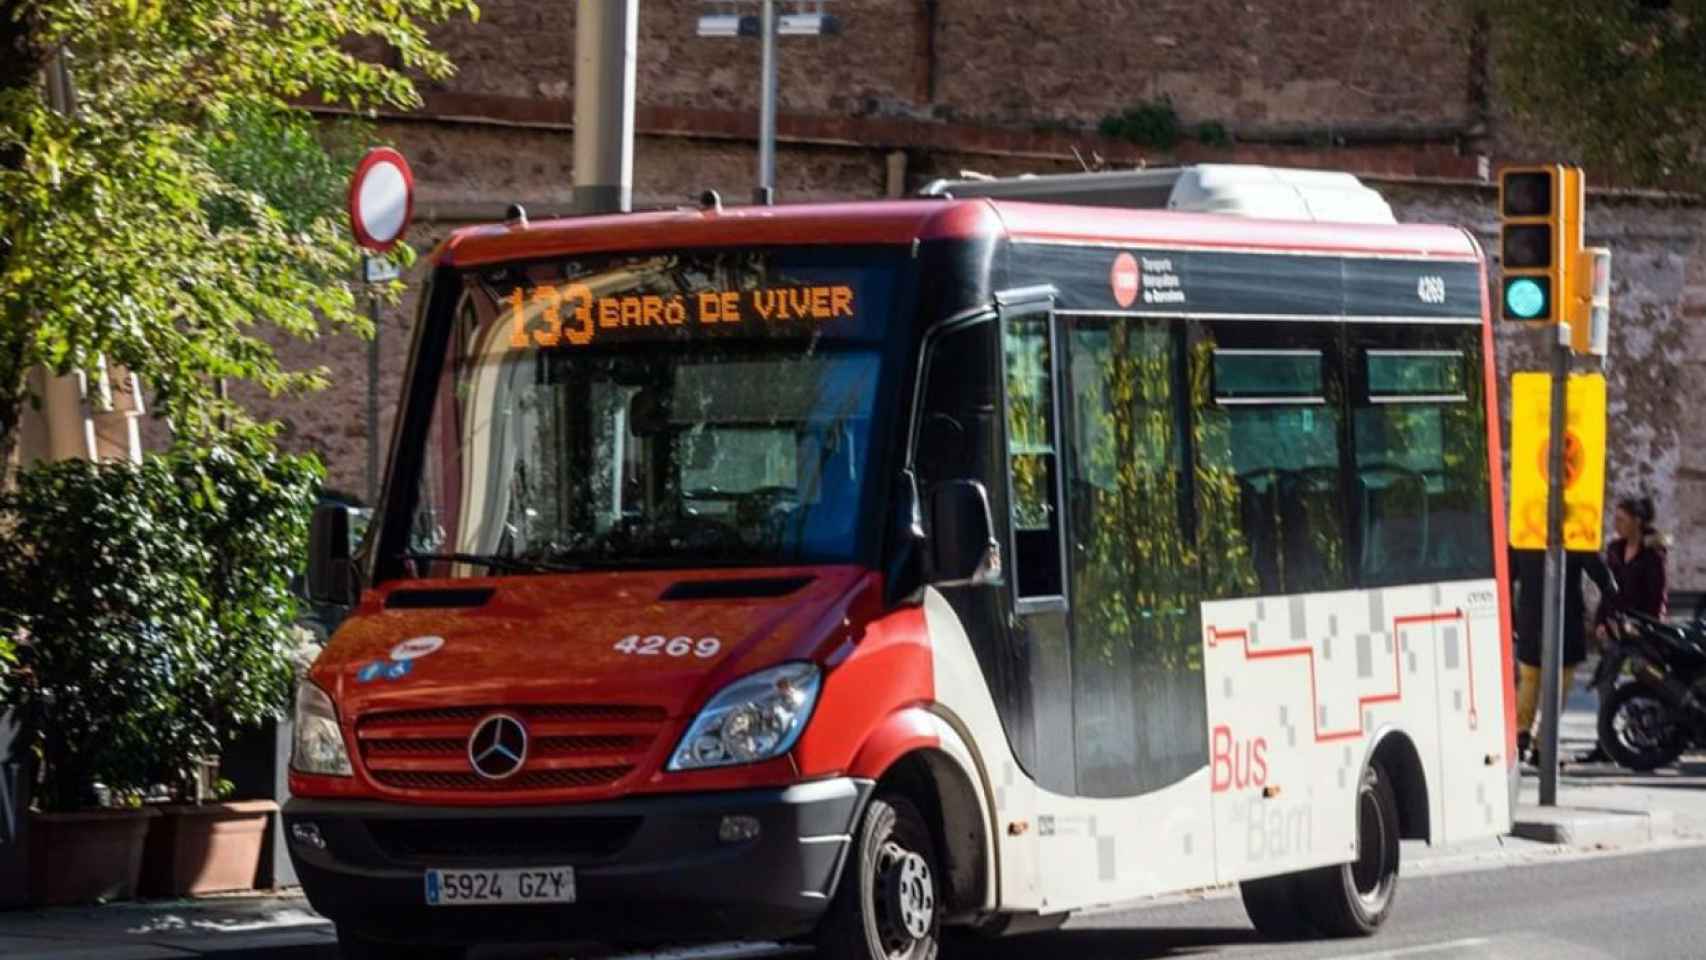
527	780
570	746
585	711
562	840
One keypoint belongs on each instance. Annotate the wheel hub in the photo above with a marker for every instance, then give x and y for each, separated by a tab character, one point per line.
908	894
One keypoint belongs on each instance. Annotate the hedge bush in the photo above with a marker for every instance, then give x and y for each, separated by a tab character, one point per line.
149	609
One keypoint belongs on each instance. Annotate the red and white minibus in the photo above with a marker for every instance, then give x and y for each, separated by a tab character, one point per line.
855	571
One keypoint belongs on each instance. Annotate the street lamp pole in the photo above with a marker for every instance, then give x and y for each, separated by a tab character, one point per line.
766	192
807	18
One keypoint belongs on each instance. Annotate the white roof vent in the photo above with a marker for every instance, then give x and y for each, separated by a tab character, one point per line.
1278	193
1245	190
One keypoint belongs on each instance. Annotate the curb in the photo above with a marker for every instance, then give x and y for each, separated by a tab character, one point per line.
1589	827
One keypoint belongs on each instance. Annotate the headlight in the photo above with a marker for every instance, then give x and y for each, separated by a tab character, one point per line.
755	718
319	744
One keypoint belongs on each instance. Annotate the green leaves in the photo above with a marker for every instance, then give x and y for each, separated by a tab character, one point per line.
145	610
187	204
1622	81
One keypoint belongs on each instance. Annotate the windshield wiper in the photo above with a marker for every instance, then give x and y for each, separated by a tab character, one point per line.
492	561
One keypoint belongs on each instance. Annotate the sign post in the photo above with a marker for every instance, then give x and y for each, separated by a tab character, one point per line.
1552	615
1557	504
1552	282
381	204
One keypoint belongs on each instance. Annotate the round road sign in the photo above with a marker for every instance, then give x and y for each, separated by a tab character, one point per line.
381	199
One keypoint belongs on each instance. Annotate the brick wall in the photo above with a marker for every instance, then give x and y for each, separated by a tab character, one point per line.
1384	90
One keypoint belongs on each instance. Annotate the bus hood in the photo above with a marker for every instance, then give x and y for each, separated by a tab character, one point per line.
657	639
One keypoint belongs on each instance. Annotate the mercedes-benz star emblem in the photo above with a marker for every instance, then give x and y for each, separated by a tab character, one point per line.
497	747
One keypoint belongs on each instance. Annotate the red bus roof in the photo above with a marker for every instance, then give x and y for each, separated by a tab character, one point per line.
903	221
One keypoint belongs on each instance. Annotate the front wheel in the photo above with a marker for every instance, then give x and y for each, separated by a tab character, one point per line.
1639	730
888	906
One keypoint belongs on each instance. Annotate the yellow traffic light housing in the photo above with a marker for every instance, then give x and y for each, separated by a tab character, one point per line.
1540	235
1590	306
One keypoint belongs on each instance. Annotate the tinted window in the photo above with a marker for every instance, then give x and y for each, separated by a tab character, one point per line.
1270	497
1420	435
1267	374
1029	358
1137	664
1398	374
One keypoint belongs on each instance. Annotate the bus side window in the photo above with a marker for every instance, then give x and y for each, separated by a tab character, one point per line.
1271	503
1420	432
1032	457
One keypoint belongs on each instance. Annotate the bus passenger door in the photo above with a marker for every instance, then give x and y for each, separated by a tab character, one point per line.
1036	557
986	662
1139	722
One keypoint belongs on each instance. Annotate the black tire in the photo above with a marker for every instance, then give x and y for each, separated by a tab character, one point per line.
1649	736
1354	899
1274	907
888	904
354	946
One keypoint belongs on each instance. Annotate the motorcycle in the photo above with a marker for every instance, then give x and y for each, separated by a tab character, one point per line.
1648	722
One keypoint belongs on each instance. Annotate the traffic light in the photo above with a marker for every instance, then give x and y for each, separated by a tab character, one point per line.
1540	235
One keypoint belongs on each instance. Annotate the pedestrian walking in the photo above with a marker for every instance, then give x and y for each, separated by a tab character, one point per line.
1637	558
1528	581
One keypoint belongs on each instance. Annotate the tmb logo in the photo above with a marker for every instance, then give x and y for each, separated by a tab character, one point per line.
1235	764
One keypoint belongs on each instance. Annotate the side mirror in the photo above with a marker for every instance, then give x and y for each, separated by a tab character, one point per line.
330	572
963	549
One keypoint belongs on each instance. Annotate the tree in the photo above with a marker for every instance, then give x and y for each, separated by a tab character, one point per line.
127	229
1624	81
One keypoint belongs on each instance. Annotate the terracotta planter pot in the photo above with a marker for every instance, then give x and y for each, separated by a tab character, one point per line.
210	848
86	856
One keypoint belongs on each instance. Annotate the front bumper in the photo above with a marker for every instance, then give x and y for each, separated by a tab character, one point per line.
647	869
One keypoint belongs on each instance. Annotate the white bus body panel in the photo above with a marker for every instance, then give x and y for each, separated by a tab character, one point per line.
1298	688
1279	793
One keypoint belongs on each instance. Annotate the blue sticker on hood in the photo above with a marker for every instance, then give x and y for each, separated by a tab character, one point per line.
398	669
370	672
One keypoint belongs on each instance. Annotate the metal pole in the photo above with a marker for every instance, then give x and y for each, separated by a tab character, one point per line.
606	34
372	393
766	192
1552	621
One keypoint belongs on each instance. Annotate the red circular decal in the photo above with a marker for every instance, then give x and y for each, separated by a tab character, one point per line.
1123	277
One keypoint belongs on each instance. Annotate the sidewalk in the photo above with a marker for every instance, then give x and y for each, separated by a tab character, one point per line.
1601	805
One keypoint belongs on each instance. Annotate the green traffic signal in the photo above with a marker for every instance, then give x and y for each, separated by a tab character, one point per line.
1527	298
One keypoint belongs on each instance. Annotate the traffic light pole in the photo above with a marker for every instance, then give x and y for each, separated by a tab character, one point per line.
1553	619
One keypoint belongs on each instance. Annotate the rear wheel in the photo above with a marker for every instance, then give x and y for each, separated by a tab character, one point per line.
1274	908
888	906
1354	899
1639	730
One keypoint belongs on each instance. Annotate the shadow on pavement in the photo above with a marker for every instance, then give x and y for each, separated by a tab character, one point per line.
1686	773
1125	943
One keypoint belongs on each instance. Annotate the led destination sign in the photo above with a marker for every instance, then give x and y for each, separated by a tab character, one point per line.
572	315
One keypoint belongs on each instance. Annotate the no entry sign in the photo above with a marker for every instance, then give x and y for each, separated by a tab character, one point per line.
381	199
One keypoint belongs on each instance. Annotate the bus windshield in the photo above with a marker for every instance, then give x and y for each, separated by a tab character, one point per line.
686	410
